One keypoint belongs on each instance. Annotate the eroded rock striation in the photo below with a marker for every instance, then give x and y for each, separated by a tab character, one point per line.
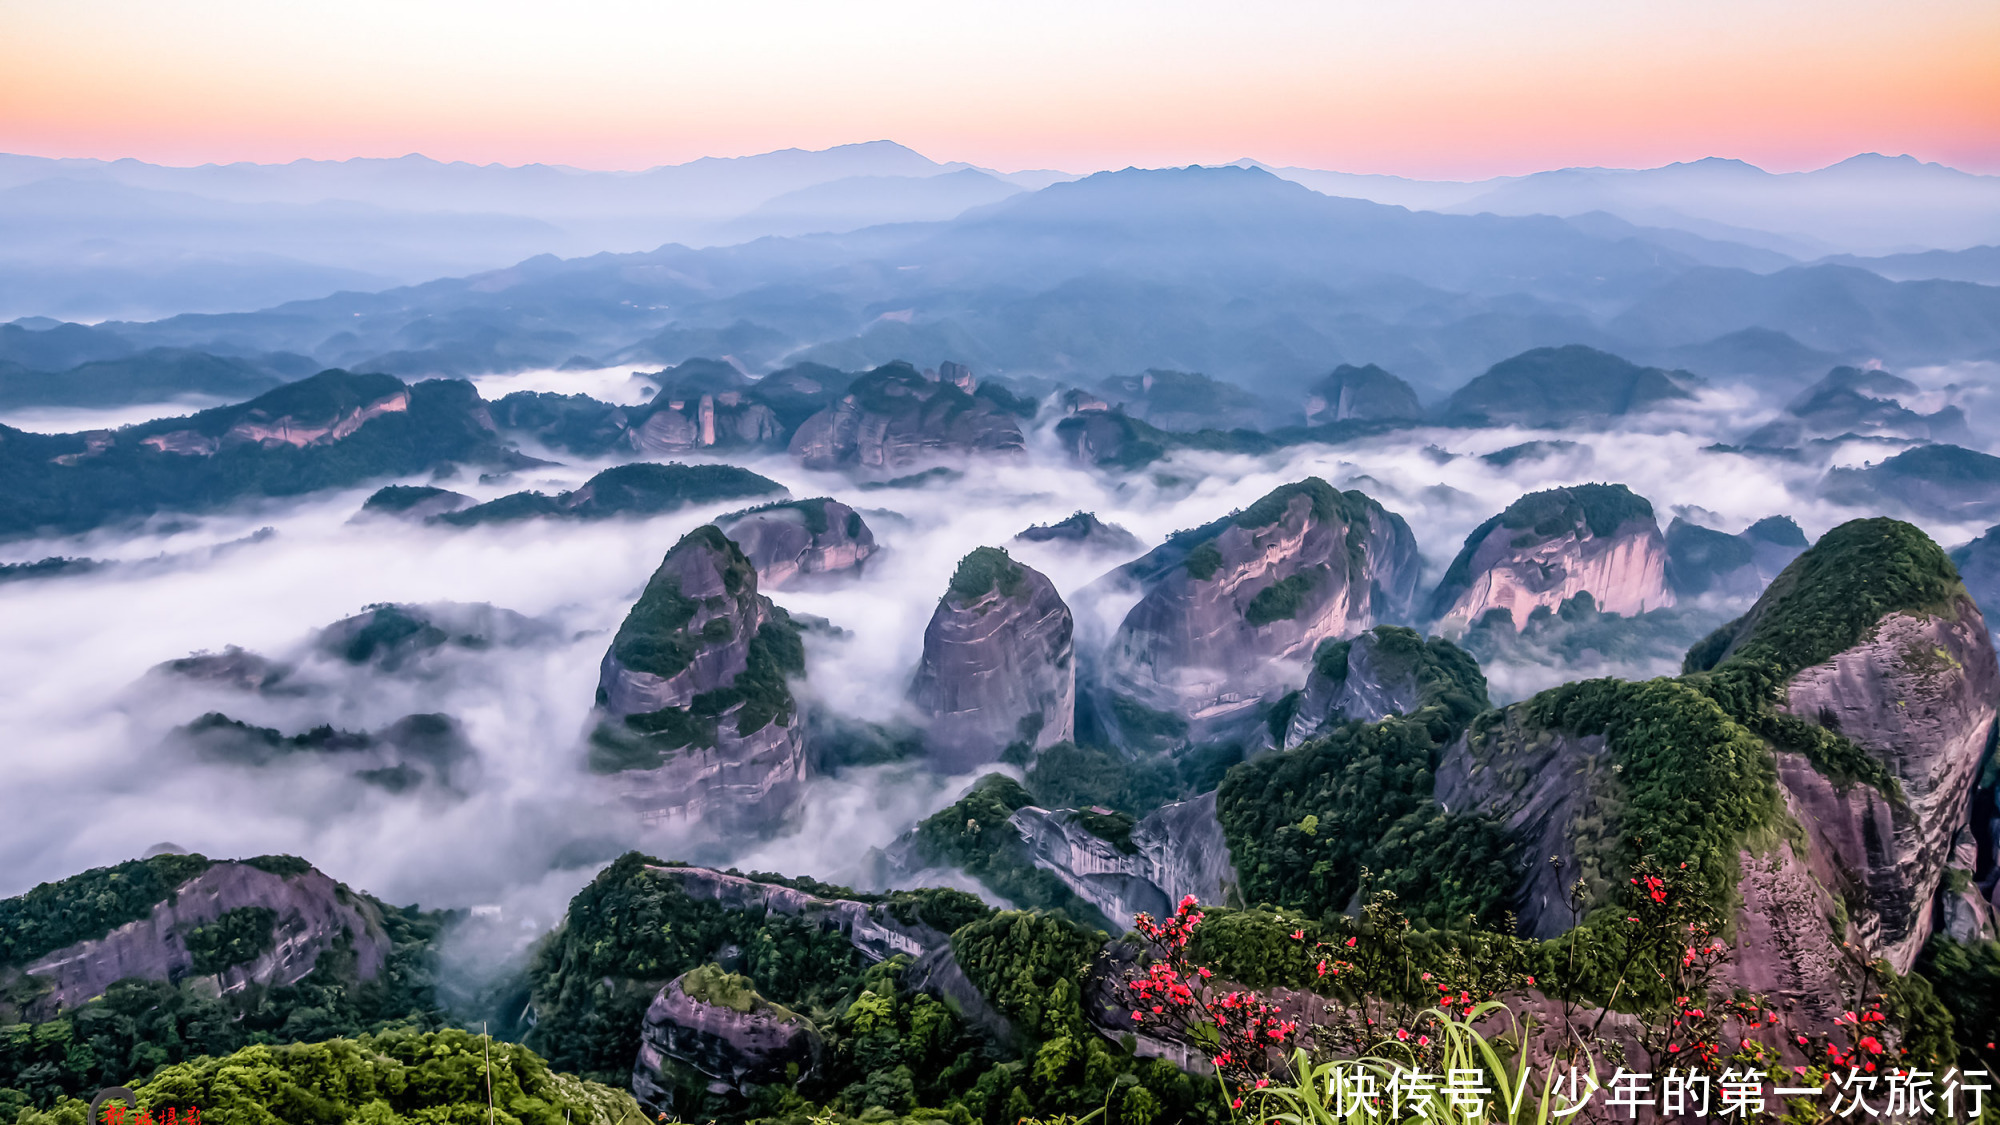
708	1031
696	718
1230	611
999	664
795	538
893	416
1547	547
1123	867
261	922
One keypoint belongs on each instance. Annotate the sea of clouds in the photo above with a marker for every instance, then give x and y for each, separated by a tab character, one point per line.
95	776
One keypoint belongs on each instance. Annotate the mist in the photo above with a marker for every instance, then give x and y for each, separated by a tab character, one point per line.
98	776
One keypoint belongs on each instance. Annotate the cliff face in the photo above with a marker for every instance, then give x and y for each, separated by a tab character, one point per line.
697	719
1550	546
999	664
1380	673
893	416
1230	610
788	540
312	915
711	1030
1172	852
1918	697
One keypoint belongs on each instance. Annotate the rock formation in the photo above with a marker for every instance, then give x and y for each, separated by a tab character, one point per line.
414	502
1181	400
1367	394
1123	867
697	720
794	538
1853	401
1978	564
1562	386
638	489
892	417
303	914
1942	482
1086	532
1387	671
1882	680
1550	546
1702	561
998	666
710	1029
389	637
1230	610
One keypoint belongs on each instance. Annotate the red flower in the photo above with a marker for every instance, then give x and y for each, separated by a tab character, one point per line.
1401	1034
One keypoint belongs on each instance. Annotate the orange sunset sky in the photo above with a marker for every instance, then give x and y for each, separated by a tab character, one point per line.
1415	87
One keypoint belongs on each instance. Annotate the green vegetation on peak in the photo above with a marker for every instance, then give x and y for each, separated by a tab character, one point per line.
712	984
1451	689
387	1078
90	904
237	937
654	638
813	509
641	488
403	497
1541	516
974	835
1830	598
984	569
760	695
1826	601
1694	784
1303	826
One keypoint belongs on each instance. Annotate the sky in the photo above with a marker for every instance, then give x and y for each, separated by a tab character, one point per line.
1423	88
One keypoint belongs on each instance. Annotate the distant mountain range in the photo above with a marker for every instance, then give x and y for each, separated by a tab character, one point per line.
1233	272
93	239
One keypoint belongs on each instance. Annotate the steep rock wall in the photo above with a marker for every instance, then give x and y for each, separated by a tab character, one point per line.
790	540
314	913
1918	696
998	666
1366	685
703	728
1175	851
1231	610
732	1048
1549	547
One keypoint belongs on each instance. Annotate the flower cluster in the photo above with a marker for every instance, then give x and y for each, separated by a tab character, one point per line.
1245	1035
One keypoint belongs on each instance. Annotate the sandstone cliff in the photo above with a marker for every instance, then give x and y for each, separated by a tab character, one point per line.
1550	546
307	914
1389	670
709	1031
999	664
892	417
794	538
696	718
1229	612
1831	736
1123	867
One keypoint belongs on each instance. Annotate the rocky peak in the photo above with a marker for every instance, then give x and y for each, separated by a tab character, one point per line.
1123	867
1389	670
1361	393
696	716
262	922
1547	547
1862	402
998	666
1885	665
793	538
893	416
1086	531
1225	607
1560	386
711	1030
